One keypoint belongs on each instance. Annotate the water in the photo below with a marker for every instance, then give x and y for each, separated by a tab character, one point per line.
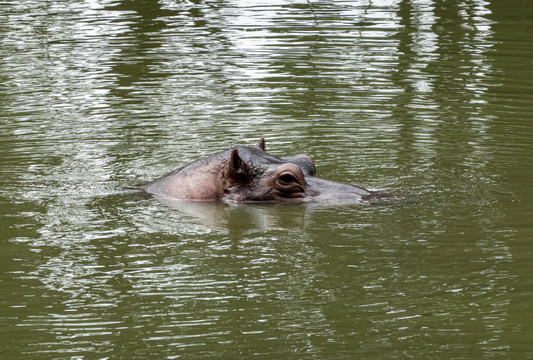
426	99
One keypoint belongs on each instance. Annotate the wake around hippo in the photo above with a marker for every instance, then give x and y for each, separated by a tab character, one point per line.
244	173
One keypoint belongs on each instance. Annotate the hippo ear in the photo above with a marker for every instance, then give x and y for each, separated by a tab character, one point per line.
237	170
261	144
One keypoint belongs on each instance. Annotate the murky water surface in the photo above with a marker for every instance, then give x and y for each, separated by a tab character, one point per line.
427	99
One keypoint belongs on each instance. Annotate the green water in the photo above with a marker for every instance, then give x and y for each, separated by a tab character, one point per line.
427	99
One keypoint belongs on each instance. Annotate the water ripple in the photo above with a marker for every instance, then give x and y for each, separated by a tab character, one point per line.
429	99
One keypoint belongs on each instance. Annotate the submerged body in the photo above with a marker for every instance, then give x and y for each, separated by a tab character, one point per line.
251	174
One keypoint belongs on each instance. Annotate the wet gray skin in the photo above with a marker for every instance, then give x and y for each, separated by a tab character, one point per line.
251	174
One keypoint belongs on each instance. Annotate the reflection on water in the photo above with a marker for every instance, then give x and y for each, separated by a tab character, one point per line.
426	98
226	216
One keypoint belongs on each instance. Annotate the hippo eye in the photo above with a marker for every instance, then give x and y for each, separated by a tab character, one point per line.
288	179
289	183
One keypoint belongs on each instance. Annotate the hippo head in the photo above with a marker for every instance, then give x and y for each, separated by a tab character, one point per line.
264	180
245	173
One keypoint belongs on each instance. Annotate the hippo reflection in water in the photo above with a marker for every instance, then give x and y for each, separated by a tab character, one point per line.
243	174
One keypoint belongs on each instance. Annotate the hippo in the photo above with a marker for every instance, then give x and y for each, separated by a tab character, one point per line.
250	174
